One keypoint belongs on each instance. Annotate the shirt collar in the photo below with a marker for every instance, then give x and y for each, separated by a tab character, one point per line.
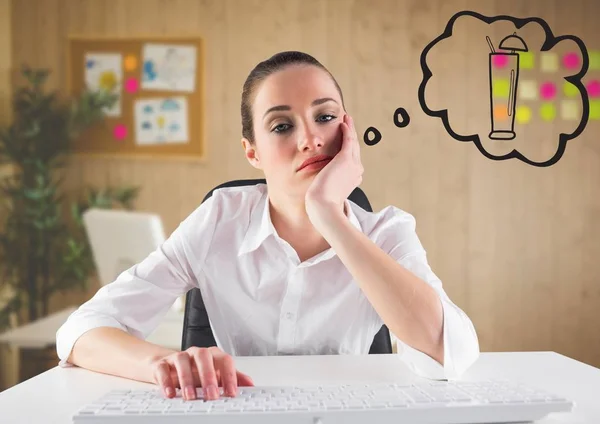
262	227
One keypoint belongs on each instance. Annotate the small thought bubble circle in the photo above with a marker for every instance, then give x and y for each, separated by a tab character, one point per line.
400	112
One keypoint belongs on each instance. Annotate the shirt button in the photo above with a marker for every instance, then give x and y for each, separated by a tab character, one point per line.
289	315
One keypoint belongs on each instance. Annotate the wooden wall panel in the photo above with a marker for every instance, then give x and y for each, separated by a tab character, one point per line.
515	245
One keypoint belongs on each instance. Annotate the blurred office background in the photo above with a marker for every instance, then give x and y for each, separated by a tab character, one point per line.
515	245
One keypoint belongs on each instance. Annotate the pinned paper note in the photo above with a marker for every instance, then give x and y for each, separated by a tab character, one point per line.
571	61
500	113
131	63
569	110
169	67
526	60
570	90
161	120
549	62
527	90
593	88
547	90
523	114
131	85
501	88
103	71
595	110
500	61
120	132
548	111
594	56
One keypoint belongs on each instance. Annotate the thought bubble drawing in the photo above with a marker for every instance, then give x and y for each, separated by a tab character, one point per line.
476	91
371	141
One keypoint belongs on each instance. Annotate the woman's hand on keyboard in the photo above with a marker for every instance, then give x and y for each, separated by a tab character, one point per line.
208	368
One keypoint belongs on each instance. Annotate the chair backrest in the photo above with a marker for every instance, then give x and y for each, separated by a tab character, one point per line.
120	239
196	325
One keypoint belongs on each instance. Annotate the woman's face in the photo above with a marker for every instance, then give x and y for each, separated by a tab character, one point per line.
297	114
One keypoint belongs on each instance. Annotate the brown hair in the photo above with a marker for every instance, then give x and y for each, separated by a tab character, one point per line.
265	68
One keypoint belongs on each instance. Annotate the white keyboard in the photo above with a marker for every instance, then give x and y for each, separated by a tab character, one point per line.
432	402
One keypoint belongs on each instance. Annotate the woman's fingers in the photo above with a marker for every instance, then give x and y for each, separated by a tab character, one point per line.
354	139
244	379
162	376
226	368
182	364
205	367
206	371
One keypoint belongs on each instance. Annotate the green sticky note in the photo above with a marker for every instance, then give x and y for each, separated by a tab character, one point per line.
594	60
595	110
549	62
526	60
547	111
570	90
500	88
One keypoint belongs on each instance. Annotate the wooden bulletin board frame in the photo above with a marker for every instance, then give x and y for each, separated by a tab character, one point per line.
100	140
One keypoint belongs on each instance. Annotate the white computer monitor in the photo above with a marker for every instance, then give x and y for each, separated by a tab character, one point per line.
120	239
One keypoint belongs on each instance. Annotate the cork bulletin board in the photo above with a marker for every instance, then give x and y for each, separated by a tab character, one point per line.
160	84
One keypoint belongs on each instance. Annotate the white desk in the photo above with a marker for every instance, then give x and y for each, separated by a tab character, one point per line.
58	393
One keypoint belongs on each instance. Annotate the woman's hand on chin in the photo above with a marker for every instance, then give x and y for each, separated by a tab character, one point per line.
336	180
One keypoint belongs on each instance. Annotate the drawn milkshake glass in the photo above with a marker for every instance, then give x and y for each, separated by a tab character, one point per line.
504	66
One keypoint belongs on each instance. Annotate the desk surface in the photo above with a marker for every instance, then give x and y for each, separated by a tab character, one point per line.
59	392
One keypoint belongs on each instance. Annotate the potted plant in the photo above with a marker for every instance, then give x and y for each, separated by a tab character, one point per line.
43	247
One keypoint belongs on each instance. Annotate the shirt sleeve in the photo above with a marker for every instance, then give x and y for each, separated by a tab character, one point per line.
461	346
141	296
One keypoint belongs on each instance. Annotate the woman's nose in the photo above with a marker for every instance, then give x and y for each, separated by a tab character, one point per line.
310	139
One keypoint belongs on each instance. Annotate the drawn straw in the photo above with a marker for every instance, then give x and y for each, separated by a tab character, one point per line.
490	44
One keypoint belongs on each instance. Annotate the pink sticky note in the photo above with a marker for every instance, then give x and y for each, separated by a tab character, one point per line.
593	88
499	60
547	90
131	85
120	131
571	61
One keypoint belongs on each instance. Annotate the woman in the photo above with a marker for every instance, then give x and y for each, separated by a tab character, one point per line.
295	269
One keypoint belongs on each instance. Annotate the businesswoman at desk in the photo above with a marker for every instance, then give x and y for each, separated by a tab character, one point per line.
290	270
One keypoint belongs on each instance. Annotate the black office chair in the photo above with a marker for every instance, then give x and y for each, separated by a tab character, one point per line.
196	326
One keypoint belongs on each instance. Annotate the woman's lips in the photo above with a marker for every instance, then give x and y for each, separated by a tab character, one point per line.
316	165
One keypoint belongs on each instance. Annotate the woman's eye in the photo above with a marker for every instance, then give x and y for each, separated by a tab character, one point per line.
327	116
279	129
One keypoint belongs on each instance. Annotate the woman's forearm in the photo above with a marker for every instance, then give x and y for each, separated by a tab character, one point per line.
112	351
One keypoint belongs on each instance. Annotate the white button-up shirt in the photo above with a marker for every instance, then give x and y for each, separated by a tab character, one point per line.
260	298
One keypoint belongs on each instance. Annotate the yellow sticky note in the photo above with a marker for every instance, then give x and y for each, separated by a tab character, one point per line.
526	60
547	111
523	115
570	90
527	90
595	110
594	60
500	88
549	62
569	110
